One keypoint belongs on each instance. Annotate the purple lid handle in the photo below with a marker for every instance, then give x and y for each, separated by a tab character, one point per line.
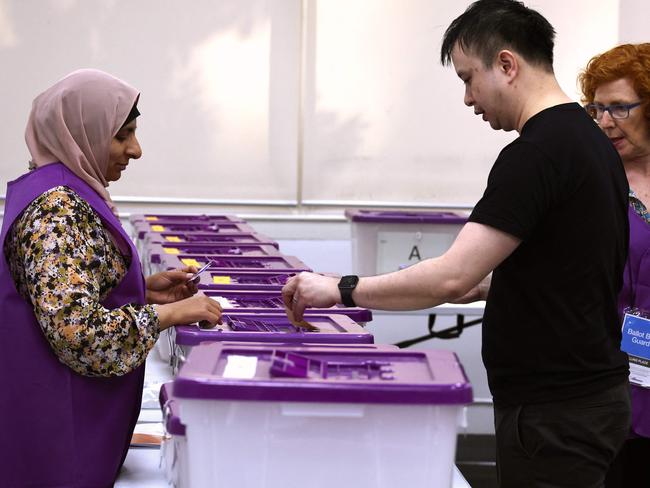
401	217
363	369
292	365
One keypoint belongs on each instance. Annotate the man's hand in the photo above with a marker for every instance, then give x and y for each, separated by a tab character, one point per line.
309	290
171	286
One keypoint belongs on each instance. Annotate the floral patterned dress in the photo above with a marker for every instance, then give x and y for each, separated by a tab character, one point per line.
639	207
65	263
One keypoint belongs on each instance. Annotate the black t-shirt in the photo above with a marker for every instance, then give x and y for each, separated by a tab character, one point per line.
551	329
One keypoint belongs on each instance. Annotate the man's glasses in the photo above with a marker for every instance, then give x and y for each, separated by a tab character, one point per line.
616	111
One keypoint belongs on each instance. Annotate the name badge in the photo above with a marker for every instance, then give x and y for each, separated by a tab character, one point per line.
636	343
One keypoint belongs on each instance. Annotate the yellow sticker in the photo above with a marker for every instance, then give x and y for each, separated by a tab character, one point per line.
151	217
173	239
221	280
172	250
157	228
191	262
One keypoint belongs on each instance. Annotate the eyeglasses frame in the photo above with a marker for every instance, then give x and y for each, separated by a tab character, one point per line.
608	108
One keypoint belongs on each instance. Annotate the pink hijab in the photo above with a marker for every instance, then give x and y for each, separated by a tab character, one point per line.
74	122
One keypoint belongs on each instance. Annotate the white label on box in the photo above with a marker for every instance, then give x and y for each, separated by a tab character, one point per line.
397	250
240	367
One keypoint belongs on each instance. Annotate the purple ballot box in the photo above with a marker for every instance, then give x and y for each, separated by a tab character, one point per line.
216	248
151	239
157	218
272	327
238	302
180	352
319	417
385	241
253	301
245	280
276	327
140	228
207	237
223	263
208	249
308	346
173	449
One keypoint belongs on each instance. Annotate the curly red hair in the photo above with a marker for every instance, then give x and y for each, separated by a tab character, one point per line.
631	61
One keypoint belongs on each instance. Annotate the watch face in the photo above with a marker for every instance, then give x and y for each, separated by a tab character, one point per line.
349	281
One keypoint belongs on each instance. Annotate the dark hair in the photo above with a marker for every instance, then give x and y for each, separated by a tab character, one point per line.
134	113
487	26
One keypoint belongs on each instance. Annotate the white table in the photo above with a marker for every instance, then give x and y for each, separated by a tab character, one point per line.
460	310
141	470
469	309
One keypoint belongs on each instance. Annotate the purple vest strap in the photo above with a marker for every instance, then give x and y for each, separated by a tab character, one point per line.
636	292
58	428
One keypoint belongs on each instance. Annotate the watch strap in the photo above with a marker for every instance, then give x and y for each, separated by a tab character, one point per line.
347	284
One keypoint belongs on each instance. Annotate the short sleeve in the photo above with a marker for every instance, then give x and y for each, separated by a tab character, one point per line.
523	186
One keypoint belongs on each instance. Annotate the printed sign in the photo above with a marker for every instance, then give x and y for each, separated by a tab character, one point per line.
397	250
636	343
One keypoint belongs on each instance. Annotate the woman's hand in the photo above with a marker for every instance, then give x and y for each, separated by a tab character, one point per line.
171	286
199	308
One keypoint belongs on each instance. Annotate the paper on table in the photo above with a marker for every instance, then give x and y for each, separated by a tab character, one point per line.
148	435
224	302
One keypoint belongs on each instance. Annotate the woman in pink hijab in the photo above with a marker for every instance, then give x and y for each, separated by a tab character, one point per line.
78	317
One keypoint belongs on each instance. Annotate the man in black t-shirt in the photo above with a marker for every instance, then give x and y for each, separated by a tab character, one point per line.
552	226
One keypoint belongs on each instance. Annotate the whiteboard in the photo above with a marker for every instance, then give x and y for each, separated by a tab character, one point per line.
218	82
386	122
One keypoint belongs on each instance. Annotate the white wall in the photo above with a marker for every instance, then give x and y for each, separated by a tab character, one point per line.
283	101
219	83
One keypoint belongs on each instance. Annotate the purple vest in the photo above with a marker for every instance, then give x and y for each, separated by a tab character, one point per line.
636	293
58	428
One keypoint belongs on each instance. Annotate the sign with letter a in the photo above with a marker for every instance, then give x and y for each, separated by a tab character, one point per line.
415	254
396	250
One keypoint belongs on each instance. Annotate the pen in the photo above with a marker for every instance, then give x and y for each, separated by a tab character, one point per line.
196	275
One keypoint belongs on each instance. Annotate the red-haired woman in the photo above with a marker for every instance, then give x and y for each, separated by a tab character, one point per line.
616	89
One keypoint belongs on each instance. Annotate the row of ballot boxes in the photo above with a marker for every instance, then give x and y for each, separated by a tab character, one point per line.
261	402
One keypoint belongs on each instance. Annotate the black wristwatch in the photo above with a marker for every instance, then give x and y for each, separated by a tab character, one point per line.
346	287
